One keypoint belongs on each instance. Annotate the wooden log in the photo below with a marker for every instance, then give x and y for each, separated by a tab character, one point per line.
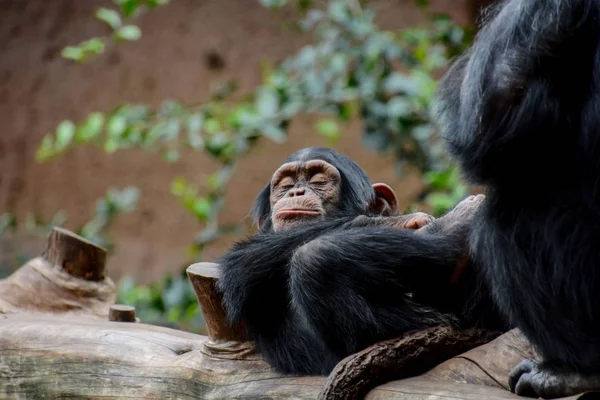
76	255
67	357
224	340
204	277
70	277
121	313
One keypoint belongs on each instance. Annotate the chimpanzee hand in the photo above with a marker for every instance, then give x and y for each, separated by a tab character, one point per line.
529	379
456	220
412	221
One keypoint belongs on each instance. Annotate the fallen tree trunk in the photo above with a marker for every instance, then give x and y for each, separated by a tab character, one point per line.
59	356
60	338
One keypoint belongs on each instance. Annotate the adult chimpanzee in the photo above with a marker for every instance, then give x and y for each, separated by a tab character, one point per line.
333	269
521	112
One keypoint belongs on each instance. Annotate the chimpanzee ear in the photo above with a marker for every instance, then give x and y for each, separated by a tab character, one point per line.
386	202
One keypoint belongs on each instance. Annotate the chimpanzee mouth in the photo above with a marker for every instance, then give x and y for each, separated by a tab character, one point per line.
297	212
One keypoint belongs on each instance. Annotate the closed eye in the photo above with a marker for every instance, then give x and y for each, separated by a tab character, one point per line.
319	183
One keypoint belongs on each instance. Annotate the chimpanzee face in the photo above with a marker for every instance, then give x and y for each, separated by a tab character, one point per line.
302	191
317	183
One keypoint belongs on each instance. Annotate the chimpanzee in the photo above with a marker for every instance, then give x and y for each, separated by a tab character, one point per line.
335	269
521	113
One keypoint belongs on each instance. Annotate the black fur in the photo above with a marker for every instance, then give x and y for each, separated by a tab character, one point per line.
521	113
313	294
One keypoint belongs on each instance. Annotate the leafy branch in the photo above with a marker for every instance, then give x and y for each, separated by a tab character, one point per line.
116	20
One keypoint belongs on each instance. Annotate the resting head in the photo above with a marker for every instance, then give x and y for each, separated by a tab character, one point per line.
316	183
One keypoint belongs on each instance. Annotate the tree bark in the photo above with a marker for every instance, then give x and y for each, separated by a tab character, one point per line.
65	357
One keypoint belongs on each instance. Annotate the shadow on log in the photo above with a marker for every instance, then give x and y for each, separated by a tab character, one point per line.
74	351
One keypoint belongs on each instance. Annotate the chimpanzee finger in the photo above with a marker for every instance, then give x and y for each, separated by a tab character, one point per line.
524	367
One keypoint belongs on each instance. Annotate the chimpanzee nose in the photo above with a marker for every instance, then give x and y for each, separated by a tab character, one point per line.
296	192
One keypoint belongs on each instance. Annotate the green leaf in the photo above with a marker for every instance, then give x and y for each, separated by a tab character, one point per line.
328	128
338	11
116	126
401	83
219	179
172	129
217	143
202	208
111	145
95	46
423	132
212	126
267	102
178	186
155	3
399	107
110	17
170	108
128	7
91	129
194	127
347	111
64	134
46	148
274	133
129	32
171	155
73	53
128	198
155	132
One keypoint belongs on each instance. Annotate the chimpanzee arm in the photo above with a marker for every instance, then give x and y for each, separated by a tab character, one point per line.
254	272
523	83
309	303
367	274
353	284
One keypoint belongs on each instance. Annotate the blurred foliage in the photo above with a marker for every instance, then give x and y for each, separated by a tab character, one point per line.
119	23
169	302
114	203
350	69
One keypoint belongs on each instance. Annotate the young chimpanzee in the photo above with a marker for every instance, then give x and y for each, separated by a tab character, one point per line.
333	268
521	112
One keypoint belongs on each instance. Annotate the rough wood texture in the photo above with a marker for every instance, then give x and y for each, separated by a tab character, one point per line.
411	355
63	357
68	278
204	277
224	341
121	313
76	255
